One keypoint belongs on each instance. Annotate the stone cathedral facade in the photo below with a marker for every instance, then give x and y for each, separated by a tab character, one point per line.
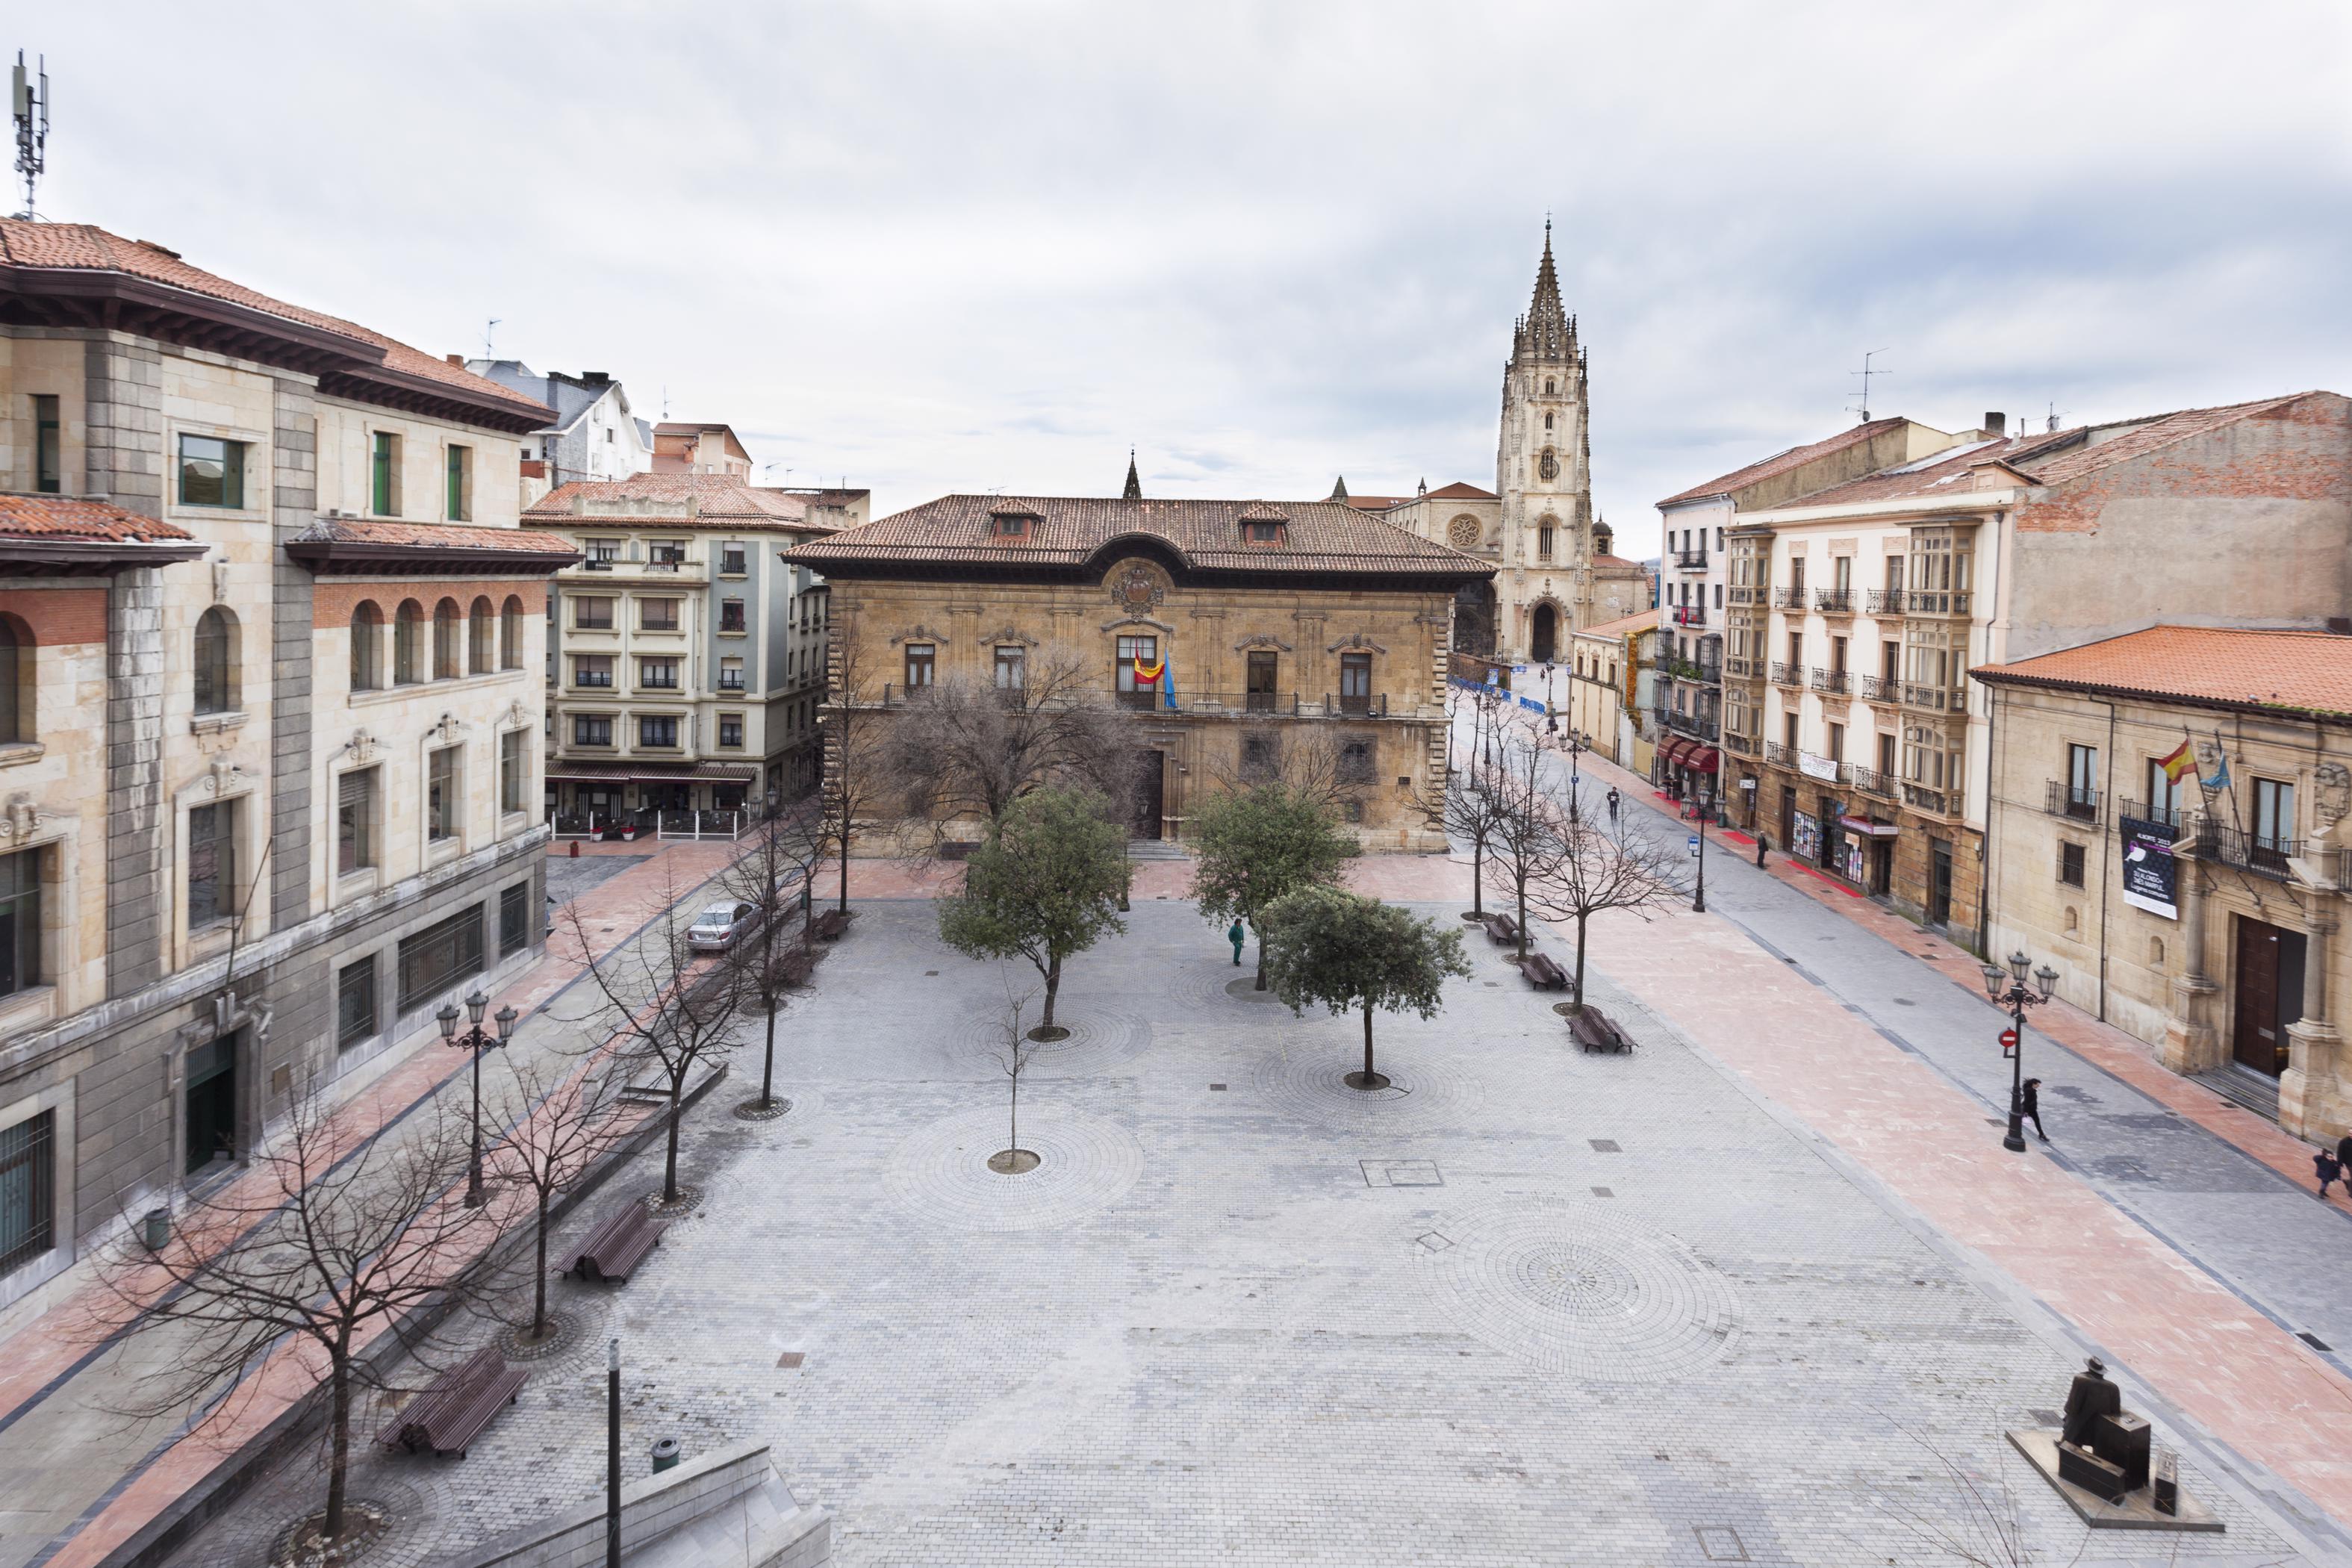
1556	570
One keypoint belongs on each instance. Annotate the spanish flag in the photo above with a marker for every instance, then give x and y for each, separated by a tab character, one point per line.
2180	761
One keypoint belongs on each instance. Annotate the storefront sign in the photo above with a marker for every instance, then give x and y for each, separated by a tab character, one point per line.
1814	767
2151	877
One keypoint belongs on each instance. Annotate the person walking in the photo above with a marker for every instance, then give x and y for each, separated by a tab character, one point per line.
2031	1106
1235	936
1760	852
1612	802
2330	1169
2344	1155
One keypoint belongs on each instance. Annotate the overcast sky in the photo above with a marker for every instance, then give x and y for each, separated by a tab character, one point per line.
932	247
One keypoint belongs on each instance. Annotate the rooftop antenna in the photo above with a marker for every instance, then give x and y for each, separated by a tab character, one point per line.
490	333
1866	373
31	101
665	402
2054	418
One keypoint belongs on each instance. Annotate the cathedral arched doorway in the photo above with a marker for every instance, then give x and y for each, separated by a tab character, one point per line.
1474	620
1543	634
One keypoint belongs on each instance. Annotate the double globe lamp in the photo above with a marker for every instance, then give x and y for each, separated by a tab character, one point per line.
2007	987
475	1040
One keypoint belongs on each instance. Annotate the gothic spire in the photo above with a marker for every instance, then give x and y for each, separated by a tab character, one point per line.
1134	490
1547	331
1339	489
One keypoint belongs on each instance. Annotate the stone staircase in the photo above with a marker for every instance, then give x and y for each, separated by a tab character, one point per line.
1155	849
2258	1092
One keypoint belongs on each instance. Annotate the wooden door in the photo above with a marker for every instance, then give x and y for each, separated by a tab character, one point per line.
1151	766
2269	994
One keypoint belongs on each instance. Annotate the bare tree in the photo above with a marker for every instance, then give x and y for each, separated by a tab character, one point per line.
1528	832
774	871
1314	765
1597	870
569	1115
330	1238
667	1007
963	750
1985	1527
1012	1050
1466	805
856	730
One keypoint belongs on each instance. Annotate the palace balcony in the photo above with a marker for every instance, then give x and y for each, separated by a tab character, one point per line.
1836	681
1834	601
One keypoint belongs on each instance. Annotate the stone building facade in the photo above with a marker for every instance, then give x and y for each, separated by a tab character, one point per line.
275	638
1234	631
2202	914
687	660
1612	683
1869	601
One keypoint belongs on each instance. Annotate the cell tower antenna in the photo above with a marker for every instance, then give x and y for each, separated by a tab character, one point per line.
1865	373
489	336
31	103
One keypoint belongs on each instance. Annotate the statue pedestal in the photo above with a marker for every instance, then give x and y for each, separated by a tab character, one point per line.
2135	1510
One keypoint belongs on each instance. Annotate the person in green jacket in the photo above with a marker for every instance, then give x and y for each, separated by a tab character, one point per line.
1235	936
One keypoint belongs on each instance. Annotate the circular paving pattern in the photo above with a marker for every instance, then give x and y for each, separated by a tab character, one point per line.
1579	1291
752	1109
1100	1036
572	1327
1309	1080
1246	989
1086	1165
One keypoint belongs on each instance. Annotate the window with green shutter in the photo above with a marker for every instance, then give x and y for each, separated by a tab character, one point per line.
461	484
383	498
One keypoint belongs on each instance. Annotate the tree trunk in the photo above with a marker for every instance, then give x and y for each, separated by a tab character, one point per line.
1521	884
1016	1098
1576	996
1368	1044
339	1446
1261	956
1053	986
1478	875
669	1161
538	1301
768	1068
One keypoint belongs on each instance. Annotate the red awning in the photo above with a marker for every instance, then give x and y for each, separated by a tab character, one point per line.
1700	760
1672	748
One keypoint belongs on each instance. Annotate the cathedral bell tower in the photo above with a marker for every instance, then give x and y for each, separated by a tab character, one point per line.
1543	473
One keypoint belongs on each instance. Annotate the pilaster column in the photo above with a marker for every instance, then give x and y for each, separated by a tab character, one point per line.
2190	1045
2311	1100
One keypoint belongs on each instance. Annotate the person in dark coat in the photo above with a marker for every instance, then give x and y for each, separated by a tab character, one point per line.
2031	1106
1235	936
2330	1169
1612	804
2343	1151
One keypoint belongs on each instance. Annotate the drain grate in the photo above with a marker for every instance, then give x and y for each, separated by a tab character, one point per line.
1604	1145
1216	1089
1720	1543
1433	1241
1400	1174
2314	1341
1604	1193
792	1358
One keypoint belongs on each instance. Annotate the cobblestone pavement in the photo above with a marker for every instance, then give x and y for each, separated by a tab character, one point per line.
1529	1307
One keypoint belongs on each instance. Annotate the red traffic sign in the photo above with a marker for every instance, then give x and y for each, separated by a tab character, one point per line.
2008	1040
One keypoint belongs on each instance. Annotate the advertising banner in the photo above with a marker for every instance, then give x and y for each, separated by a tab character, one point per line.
2151	879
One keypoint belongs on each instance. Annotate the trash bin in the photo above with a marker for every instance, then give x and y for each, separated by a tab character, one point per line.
155	1228
665	1455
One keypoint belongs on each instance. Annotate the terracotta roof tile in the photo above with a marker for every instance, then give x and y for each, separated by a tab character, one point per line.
1321	536
1782	462
75	517
1460	492
81	245
432	535
1645	621
720	500
2299	671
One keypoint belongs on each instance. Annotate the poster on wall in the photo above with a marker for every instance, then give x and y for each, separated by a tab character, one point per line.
2151	879
1808	842
1853	863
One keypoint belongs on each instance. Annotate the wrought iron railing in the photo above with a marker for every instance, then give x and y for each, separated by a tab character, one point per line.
1881	688
1834	601
1870	780
1789	598
1787	674
1778	756
2262	853
1690	615
2063	799
1884	601
1832	681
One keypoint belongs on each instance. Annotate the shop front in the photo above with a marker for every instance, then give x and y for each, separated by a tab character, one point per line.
592	796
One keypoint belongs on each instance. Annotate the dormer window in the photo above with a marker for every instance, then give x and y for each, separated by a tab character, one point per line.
1263	532
1264	525
1008	526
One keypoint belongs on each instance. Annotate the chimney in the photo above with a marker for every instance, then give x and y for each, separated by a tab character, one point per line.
1996	424
457	359
596	377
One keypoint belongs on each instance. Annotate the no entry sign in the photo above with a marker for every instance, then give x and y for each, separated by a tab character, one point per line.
2008	1041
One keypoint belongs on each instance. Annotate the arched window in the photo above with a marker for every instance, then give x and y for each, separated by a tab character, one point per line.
367	636
479	651
407	643
1546	421
17	687
444	640
510	633
216	661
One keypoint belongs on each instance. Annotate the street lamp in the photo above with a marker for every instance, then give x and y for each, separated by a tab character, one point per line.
1705	800
2007	987
473	1040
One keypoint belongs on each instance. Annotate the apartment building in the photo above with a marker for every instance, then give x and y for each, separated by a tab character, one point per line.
594	433
686	662
2196	905
1871	599
1613	676
269	632
681	446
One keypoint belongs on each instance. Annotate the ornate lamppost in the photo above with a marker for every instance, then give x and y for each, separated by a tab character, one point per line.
475	1040
2007	988
1706	803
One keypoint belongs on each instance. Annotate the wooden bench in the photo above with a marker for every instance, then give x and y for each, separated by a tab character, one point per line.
829	926
1543	973
1501	928
614	1249
446	1417
1592	1030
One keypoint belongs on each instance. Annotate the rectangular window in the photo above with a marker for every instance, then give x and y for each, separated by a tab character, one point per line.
439	956
602	549
461	484
441	804
730	675
1011	667
1265	672
354	1003
1355	762
660	732
20	921
1259	758
657	615
212	472
48	447
592	614
512	771
1797	574
2083	781
2070	864
1788	730
730	730
212	864
1887	755
28	1190
666	551
2163	794
920	659
384	475
657	674
2273	822
592	669
731	563
355	816
731	615
592	730
1837	742
1543	542
514	919
1355	683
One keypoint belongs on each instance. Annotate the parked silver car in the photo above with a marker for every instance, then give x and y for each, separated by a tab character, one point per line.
718	927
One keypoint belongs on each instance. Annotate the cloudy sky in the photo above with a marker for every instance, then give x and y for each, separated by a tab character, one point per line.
975	245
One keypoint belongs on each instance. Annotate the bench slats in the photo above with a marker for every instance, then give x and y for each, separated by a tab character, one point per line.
448	1416
618	1244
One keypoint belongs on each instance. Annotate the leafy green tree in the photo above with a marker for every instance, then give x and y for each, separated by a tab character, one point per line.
1044	884
1255	846
1348	951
